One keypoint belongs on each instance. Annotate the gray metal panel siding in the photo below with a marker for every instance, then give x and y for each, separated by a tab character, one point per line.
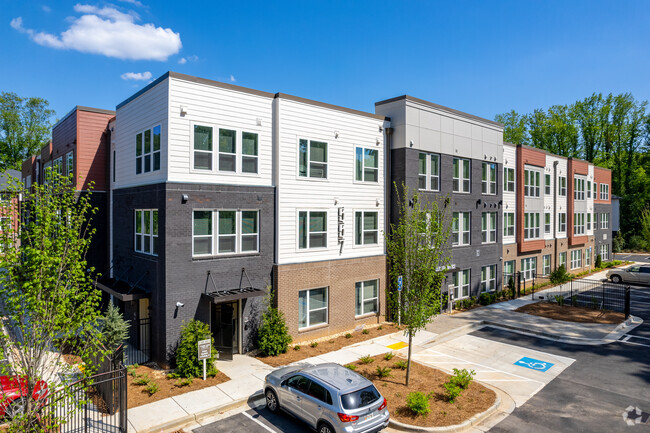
603	236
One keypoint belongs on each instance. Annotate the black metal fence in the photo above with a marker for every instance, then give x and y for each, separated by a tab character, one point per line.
596	294
137	349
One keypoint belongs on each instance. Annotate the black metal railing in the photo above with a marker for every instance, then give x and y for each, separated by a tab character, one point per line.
137	349
596	294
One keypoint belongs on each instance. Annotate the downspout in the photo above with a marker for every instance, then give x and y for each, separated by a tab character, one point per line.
555	215
388	202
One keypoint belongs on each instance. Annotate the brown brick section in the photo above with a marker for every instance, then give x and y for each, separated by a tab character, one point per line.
526	156
549	248
602	175
340	277
575	166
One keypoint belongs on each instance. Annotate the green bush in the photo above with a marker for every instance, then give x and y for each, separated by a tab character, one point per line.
114	329
618	243
183	382
560	275
559	299
462	378
366	359
452	391
152	388
418	403
142	380
388	356
351	367
296	347
383	371
131	369
365	331
599	261
187	360
348	335
484	299
574	300
458	305
273	335
401	365
314	344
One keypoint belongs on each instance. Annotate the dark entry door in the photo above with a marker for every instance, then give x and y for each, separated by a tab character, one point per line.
224	330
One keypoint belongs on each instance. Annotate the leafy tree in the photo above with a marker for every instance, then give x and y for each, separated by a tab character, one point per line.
24	128
515	130
273	335
47	297
418	250
114	329
645	227
187	357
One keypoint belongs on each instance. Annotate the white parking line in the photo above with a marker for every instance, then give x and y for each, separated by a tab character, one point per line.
259	423
636	344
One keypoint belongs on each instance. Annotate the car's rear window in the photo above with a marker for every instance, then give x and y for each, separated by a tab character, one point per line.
360	398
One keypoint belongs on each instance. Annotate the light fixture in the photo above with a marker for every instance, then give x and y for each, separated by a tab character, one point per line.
179	304
336	134
185	198
258	121
183	110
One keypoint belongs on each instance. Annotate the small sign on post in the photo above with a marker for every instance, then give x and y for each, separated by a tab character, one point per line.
205	353
400	283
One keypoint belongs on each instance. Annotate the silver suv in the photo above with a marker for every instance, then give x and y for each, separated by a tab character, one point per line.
328	397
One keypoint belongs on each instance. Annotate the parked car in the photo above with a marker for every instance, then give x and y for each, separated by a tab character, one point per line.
328	397
632	274
13	391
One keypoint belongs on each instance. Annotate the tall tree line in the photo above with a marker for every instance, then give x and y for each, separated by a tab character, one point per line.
612	131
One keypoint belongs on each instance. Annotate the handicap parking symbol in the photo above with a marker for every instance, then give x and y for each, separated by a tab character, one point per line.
534	364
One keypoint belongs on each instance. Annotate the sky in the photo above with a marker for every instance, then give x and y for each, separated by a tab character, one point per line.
481	57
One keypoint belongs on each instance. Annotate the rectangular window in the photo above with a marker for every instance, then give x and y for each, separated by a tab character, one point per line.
604	220
546	264
547	222
226	231
202	147
604	191
429	171
595	220
547	184
588	189
489	227
561	222
579	223
249	152
460	229
508	271
578	188
562	186
146	231
202	232
588	256
227	150
461	283
461	176
604	252
147	150
531	225
528	268
509	179
58	165
69	163
367	297
595	190
508	224
312	307
366	228
237	231
562	260
531	183
588	221
312	229
576	259
312	159
367	165
489	178
488	278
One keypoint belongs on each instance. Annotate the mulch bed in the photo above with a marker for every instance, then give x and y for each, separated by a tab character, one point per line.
306	351
474	400
572	314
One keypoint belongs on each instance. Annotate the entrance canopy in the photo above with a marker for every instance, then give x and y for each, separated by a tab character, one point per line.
227	295
122	290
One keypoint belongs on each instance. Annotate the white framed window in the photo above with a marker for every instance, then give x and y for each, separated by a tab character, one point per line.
312	159
578	188
508	224
227	150
528	267
312	229
366	228
488	227
546	264
588	256
429	171
604	252
312	307
562	260
531	225
366	165
579	223
461	281
604	191
227	231
146	231
508	271
69	163
576	259
461	179
228	153
488	278
561	185
561	222
460	228
250	152
547	222
147	150
202	147
509	179
547	184
604	220
595	220
588	189
588	221
366	297
57	167
489	178
531	183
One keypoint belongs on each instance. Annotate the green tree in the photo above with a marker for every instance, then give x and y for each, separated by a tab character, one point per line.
47	298
417	250
114	329
645	227
187	353
515	129
273	335
24	128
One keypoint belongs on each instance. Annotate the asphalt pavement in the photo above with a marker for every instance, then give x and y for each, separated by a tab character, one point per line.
257	420
633	257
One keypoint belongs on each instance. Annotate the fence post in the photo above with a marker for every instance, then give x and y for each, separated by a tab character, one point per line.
571	284
627	302
519	283
85	411
532	289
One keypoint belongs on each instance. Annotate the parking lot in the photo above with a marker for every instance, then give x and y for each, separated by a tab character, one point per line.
258	420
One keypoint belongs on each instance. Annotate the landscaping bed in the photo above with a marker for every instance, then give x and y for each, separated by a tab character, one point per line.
568	313
138	395
308	350
472	401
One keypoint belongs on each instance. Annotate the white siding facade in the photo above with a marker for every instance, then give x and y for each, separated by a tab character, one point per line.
509	197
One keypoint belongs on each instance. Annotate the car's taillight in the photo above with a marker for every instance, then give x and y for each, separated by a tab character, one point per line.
383	405
344	417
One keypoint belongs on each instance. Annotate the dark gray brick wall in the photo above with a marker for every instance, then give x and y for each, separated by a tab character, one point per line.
603	236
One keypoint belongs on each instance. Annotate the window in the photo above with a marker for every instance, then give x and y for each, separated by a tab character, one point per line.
508	224
367	297
227	150
576	259
588	189
237	231
312	307
249	152
461	283
595	220
562	185
579	223
604	252
547	184
312	229
595	190
588	256
146	231
561	222
69	163
604	191
531	183
202	147
562	260
319	392
461	177
489	178
429	171
488	278
604	220
509	179
147	150
312	159
203	150
528	268
366	229
531	225
547	222
578	188
546	264
58	165
28	181
489	227
460	228
367	165
588	221
508	271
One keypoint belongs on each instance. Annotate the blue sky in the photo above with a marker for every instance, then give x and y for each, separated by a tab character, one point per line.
483	57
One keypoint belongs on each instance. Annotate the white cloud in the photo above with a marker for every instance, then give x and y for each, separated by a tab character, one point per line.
109	32
137	76
184	60
133	2
232	78
46	8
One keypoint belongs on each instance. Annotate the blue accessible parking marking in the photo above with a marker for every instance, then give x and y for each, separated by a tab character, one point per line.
534	364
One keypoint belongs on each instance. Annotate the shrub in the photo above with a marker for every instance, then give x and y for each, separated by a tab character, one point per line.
187	361
183	382
458	305
296	347
152	388
366	359
131	369
594	303
380	327
314	344
559	299
114	329
351	367
365	331
484	299
401	365
273	335
618	243
462	378
574	300
348	335
383	371
388	356
599	261
142	380
452	391
560	275
418	403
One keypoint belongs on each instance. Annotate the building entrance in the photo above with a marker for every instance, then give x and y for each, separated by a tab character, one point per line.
225	329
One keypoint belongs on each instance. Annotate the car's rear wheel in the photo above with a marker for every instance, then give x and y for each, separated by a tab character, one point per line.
324	427
617	279
272	402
